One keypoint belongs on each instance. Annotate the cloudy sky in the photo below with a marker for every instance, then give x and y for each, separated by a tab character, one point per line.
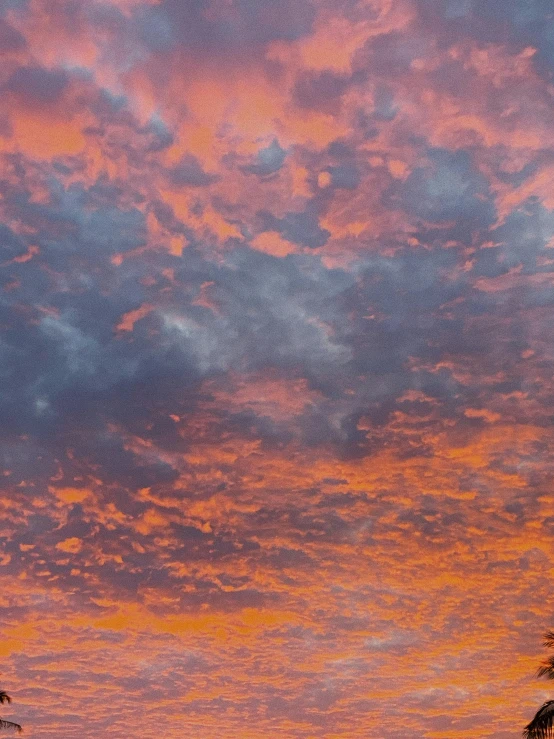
276	363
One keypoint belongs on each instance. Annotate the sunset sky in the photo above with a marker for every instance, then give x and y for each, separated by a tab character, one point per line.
276	367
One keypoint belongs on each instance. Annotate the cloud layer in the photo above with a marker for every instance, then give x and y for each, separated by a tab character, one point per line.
276	399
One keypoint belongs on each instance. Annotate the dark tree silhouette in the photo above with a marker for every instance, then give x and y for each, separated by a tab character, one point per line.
5	698
542	725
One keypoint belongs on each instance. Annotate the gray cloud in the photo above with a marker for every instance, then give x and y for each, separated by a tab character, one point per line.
448	189
173	25
269	160
10	39
189	173
37	85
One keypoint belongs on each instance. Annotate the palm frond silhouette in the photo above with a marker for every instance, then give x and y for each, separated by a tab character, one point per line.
10	725
5	698
542	724
549	639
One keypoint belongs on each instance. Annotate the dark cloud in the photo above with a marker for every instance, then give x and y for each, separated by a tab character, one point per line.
344	176
521	242
10	38
161	137
67	369
388	55
155	28
10	244
37	84
268	161
218	26
189	173
69	374
10	5
515	23
449	188
385	106
300	228
320	90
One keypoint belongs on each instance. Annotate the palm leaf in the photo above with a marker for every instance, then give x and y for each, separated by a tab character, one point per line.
10	725
542	725
549	639
4	697
547	669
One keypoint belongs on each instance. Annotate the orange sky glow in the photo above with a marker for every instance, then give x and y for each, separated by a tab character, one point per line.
276	367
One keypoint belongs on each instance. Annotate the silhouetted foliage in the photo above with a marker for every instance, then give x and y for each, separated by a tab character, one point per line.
5	698
542	725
